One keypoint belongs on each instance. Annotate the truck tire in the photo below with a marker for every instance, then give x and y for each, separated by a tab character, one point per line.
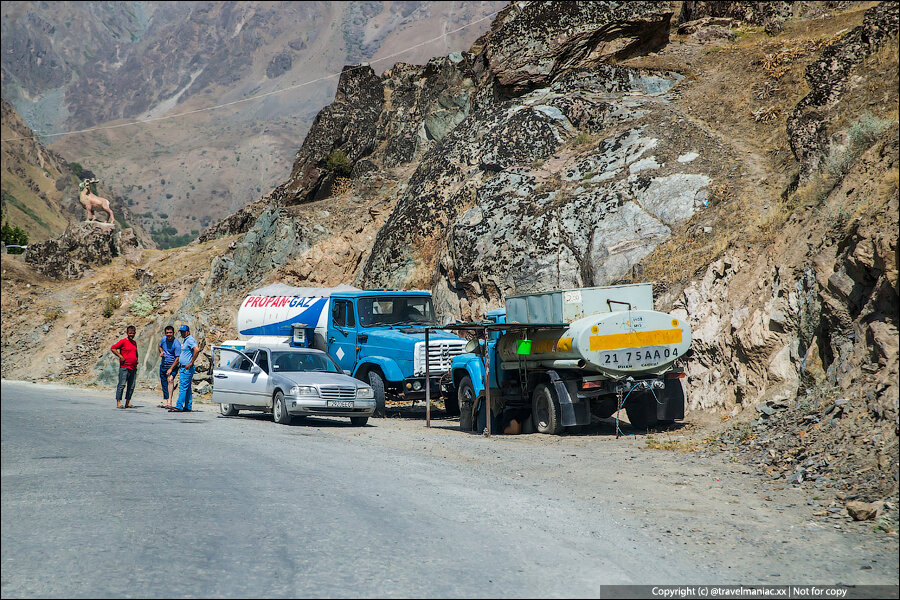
465	402
279	409
545	411
377	384
641	411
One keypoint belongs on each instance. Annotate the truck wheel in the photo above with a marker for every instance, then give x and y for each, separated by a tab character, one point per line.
228	410
279	410
465	403
641	411
545	411
377	384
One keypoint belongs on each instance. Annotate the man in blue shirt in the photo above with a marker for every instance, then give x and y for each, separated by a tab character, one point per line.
189	351
169	349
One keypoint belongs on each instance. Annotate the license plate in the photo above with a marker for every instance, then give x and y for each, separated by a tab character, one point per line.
340	403
648	356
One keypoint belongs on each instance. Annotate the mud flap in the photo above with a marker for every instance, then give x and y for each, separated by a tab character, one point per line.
571	410
672	401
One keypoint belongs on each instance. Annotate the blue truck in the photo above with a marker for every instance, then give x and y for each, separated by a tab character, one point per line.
566	357
376	335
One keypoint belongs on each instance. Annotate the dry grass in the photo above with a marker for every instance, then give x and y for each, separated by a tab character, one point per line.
775	64
684	446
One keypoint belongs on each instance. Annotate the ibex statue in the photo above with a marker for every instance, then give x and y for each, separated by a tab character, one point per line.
90	200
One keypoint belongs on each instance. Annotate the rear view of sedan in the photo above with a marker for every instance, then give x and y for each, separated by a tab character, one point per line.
289	382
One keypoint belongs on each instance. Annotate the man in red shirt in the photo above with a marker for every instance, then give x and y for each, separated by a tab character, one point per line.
126	350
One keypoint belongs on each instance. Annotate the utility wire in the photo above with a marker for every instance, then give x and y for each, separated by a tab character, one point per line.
258	96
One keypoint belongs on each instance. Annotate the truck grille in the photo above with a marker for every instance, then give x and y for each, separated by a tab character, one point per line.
337	392
440	355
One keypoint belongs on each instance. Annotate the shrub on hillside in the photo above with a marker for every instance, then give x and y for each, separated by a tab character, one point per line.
112	303
338	163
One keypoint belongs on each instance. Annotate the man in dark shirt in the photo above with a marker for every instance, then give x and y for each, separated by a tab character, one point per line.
169	349
126	351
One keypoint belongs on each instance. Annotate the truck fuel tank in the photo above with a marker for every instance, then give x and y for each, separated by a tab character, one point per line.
617	343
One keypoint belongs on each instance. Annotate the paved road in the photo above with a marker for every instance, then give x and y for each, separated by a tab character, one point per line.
103	502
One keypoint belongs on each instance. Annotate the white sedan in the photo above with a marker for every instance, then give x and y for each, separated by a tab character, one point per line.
288	382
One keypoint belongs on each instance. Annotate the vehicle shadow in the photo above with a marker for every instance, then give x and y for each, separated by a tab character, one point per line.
313	421
602	428
415	413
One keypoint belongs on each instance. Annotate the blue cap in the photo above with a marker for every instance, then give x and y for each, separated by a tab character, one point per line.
184	328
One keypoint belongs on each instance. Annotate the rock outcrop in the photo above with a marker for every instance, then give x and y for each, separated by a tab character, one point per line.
531	45
83	245
829	78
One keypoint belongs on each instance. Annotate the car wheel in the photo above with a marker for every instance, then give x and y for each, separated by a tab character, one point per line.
279	410
465	402
545	411
359	421
228	410
377	384
641	411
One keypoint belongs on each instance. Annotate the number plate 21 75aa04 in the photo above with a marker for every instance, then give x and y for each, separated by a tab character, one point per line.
638	357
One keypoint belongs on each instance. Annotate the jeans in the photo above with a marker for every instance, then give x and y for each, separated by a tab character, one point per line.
164	380
126	380
185	376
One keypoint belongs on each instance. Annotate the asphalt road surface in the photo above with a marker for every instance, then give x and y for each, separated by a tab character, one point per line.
100	502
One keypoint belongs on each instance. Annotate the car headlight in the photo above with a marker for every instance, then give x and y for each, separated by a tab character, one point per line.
304	390
365	392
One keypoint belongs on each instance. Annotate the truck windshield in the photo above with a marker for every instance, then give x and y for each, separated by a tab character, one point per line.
395	310
293	362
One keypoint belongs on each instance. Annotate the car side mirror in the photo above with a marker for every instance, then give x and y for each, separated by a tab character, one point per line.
347	372
255	370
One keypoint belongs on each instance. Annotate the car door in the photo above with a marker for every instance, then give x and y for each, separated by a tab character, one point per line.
224	373
251	384
342	334
245	385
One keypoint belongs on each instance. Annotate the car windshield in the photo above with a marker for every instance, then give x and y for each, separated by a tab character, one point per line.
297	362
395	310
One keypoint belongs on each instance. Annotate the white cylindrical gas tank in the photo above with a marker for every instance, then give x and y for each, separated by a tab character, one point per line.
617	343
271	311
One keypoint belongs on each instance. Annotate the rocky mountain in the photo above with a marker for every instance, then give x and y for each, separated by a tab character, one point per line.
743	157
74	66
40	188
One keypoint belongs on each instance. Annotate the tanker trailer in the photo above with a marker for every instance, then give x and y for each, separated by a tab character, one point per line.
570	355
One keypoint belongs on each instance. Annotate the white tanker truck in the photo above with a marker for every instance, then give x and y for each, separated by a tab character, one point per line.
558	358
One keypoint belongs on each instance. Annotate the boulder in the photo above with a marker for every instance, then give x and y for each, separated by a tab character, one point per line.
863	511
83	245
532	43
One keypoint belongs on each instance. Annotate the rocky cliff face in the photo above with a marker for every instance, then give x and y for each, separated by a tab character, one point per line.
537	164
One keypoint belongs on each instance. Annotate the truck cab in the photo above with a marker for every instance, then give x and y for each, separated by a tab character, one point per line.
467	373
378	335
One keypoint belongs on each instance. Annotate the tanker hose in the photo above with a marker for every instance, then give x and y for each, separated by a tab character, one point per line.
638	385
